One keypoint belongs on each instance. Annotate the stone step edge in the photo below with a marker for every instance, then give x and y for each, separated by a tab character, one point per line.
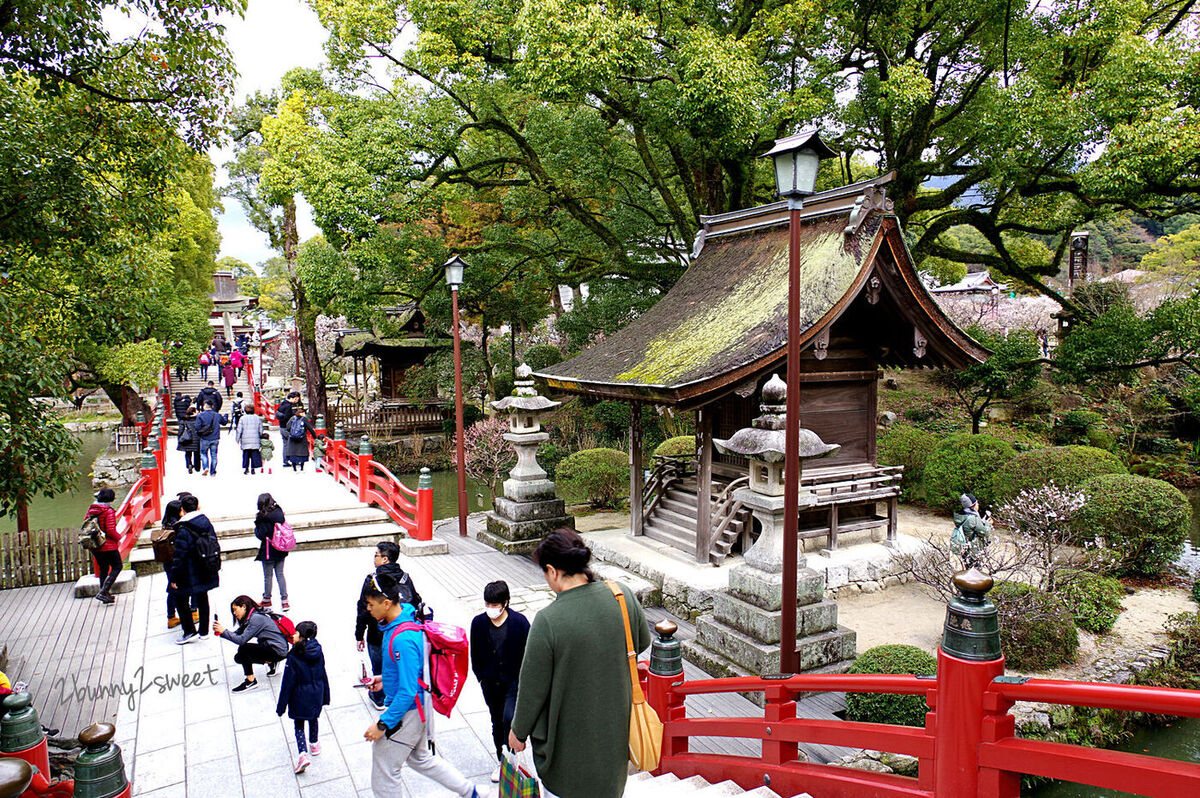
142	560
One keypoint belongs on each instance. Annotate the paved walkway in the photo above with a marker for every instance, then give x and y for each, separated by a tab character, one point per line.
204	741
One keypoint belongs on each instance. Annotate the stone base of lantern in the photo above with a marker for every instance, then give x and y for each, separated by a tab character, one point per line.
741	637
516	527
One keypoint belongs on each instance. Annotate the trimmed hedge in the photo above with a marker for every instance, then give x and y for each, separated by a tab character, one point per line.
1094	599
1037	629
598	476
904	710
1065	466
908	446
1145	520
679	446
964	463
540	356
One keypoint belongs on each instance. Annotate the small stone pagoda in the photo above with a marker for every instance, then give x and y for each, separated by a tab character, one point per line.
528	510
742	636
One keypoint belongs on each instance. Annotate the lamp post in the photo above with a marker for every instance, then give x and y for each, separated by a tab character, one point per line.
454	277
796	160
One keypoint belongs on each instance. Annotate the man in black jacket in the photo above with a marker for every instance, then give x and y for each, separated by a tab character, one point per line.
287	408
498	636
182	403
386	554
209	393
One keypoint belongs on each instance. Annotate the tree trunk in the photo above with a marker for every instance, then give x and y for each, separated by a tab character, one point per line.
128	401
976	417
306	321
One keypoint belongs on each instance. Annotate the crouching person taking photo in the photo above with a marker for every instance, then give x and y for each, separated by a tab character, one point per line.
400	735
258	640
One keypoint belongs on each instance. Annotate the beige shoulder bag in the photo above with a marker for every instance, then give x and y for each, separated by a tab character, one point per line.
645	729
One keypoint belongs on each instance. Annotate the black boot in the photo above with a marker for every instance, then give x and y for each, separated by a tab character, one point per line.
104	596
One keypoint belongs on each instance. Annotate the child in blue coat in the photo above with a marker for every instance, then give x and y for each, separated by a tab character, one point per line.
305	689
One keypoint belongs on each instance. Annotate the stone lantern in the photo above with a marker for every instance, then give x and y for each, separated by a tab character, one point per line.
762	443
528	509
742	635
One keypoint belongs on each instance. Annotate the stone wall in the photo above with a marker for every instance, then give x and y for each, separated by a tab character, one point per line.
865	568
116	469
674	595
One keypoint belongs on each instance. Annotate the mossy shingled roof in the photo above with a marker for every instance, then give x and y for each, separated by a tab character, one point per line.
728	310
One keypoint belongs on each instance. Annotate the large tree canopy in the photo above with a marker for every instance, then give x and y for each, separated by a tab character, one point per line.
107	228
614	126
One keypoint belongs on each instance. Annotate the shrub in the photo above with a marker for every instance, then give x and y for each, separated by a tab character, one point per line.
1196	591
1037	631
1095	599
549	455
964	463
540	356
681	446
1065	466
1145	520
909	447
1073	426
904	710
599	476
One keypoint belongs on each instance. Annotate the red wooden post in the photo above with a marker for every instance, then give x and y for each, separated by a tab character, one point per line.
781	706
968	660
154	483
364	468
424	529
337	454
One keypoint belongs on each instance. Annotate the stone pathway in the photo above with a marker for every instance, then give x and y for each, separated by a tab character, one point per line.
202	741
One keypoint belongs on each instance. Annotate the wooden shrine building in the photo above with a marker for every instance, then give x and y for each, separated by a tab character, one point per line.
712	341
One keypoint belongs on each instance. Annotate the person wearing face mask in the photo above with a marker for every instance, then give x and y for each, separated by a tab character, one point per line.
498	637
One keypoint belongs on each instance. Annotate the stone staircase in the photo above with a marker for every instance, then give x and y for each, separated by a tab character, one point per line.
673	520
668	785
193	384
350	524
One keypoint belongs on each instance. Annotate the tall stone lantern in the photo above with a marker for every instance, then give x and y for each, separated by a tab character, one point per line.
742	635
528	509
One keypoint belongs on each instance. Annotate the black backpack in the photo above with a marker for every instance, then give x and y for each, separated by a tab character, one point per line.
206	553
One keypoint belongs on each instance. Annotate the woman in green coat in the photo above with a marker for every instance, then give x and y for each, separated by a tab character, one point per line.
574	697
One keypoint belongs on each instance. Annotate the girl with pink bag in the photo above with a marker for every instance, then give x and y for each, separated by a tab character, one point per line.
272	557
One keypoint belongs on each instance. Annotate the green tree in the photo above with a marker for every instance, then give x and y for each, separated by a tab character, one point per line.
1177	254
36	450
1008	373
106	232
617	125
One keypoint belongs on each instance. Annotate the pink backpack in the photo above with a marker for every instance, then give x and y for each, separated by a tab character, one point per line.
283	538
449	661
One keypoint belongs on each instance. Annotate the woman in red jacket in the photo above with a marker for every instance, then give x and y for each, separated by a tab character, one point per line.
108	557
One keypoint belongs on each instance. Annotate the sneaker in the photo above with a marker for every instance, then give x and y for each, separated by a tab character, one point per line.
315	748
245	685
286	606
185	639
104	598
265	603
271	668
172	623
496	775
303	763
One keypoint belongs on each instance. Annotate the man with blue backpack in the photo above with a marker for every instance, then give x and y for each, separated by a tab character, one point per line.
400	736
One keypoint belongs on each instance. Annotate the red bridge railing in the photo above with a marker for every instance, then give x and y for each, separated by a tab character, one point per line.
374	484
968	746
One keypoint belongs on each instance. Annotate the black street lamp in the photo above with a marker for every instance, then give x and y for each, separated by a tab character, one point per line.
454	277
796	160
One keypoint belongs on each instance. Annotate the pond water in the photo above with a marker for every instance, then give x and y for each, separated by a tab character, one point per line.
66	509
445	493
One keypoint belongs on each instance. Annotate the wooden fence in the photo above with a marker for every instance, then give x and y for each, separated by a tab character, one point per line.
42	557
127	439
392	418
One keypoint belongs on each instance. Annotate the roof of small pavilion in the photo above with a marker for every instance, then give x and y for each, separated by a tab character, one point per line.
405	331
726	318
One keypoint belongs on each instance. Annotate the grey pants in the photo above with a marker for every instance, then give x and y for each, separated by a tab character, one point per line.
277	569
410	746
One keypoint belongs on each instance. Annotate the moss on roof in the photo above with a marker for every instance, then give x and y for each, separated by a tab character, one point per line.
729	309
